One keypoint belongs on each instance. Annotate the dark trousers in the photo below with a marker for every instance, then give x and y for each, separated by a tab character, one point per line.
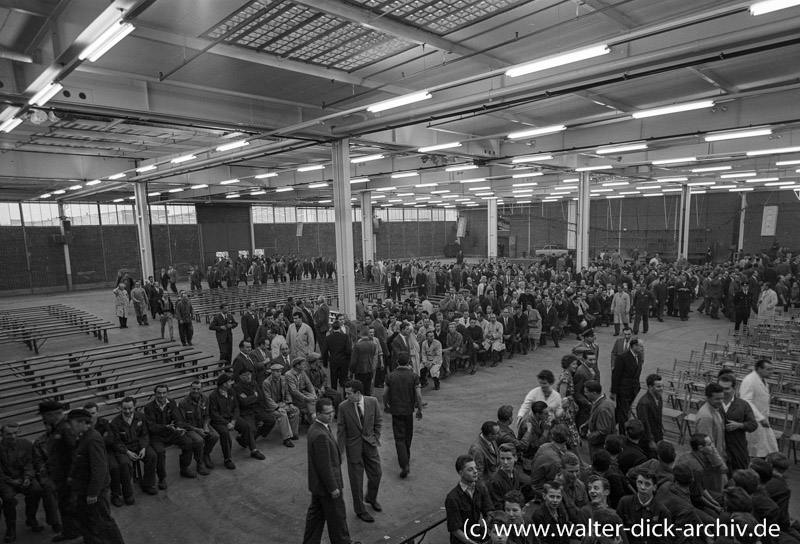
97	525
226	351
149	473
66	509
119	468
50	501
338	374
370	462
640	316
186	332
741	318
262	423
366	381
33	494
225	436
160	444
325	509
622	412
403	431
203	445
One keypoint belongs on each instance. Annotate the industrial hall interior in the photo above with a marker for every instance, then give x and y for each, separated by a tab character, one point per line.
400	271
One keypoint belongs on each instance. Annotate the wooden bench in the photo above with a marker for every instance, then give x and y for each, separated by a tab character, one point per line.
35	325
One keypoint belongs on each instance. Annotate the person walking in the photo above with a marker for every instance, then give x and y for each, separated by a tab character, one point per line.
121	301
403	393
223	324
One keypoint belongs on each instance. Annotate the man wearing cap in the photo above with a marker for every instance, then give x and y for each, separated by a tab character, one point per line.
103	427
280	406
223	409
303	394
193	415
53	451
132	444
161	415
223	325
89	480
18	476
252	407
316	374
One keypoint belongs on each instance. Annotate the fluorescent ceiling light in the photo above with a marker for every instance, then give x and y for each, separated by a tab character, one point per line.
399	101
421	185
93	182
148	168
375	197
472	205
43	97
592	168
667	180
419	205
395	200
461	168
118	200
404	175
738	175
541	131
550	200
311	168
675	108
653	194
59	192
430	148
366	158
761	180
776	151
405	194
233	145
473	180
200	186
601	190
530	184
570	180
118	176
672	190
450	196
698	192
75	187
176	190
648	187
317	185
768	6
284	189
741	189
700	183
184	158
106	41
778	183
558	60
631	193
439	202
787	163
440	191
615	196
524	195
154	194
565	187
408	203
479	188
522	191
383	189
358	180
731	186
527	175
488	193
620	148
532	158
489	198
10	124
267	175
711	169
46	195
229	182
616	184
739	134
462	200
524	202
674	161
233	196
386	205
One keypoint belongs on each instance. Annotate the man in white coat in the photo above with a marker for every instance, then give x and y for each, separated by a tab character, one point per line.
754	390
300	337
767	301
621	308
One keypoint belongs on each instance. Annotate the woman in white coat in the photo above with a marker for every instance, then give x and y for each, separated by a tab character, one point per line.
754	390
121	302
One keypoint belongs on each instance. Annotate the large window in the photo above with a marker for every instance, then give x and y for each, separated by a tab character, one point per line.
263	214
451	215
117	214
285	215
306	215
173	214
40	214
326	215
9	214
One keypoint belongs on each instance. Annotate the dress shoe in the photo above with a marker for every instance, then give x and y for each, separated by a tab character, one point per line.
404	472
116	500
35	526
295	437
288	443
162	484
208	462
188	473
130	501
56	528
255	454
201	469
472	372
375	506
364	516
150	490
229	464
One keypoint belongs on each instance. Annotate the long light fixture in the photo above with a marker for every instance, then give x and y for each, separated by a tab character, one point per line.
117	176
284	189
541	131
529	184
155	193
183	158
118	200
620	149
46	195
558	60
601	190
738	175
375	197
532	158
648	187
257	193
768	6
439	147
711	169
10	124
700	183
229	181
93	182
59	192
787	163
106	41
176	190
473	180
675	108
613	184
480	188
405	194
739	134
615	196
672	190
422	185
386	189
366	158
778	151
43	97
317	185
778	183
673	161
667	180
200	186
741	189
760	180
527	175
267	175
593	168
461	168
233	145
148	168
399	101
440	192
400	175
75	187
234	195
358	180
311	168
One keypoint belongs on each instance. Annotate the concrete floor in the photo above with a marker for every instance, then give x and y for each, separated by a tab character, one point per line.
267	500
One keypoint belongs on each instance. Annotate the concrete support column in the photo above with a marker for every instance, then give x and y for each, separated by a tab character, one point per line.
491	240
685	217
252	234
742	213
343	216
367	232
142	214
582	256
62	216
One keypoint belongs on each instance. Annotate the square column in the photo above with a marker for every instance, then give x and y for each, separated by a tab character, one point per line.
685	217
343	217
367	231
582	256
142	214
491	240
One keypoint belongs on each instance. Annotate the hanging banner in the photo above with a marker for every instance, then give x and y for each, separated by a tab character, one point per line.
300	229
462	227
769	221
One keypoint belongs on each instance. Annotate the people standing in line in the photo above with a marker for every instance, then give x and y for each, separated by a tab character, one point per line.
403	393
223	324
121	301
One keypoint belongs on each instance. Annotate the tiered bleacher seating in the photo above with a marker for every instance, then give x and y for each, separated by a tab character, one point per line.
35	325
104	375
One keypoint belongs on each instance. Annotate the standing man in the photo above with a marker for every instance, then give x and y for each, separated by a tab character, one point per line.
89	480
359	435
300	337
742	304
249	322
621	308
322	316
362	361
683	296
185	314
621	345
403	393
337	354
467	503
224	323
601	419
643	300
625	381
140	303
754	390
739	420
710	420
649	412
325	481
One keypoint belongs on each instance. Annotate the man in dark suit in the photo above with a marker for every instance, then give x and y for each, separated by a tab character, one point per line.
509	329
249	322
649	412
322	315
337	354
484	451
400	344
359	435
601	418
403	393
583	374
223	324
621	345
325	481
625	381
739	420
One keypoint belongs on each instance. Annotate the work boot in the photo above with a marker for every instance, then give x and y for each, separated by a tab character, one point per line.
209	464
201	469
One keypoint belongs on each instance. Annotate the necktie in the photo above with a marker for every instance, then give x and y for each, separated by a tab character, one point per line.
626	346
360	414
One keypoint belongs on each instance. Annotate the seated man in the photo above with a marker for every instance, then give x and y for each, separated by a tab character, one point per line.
642	508
161	415
554	511
132	444
193	415
316	374
303	394
17	476
598	508
223	409
280	405
103	428
252	406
